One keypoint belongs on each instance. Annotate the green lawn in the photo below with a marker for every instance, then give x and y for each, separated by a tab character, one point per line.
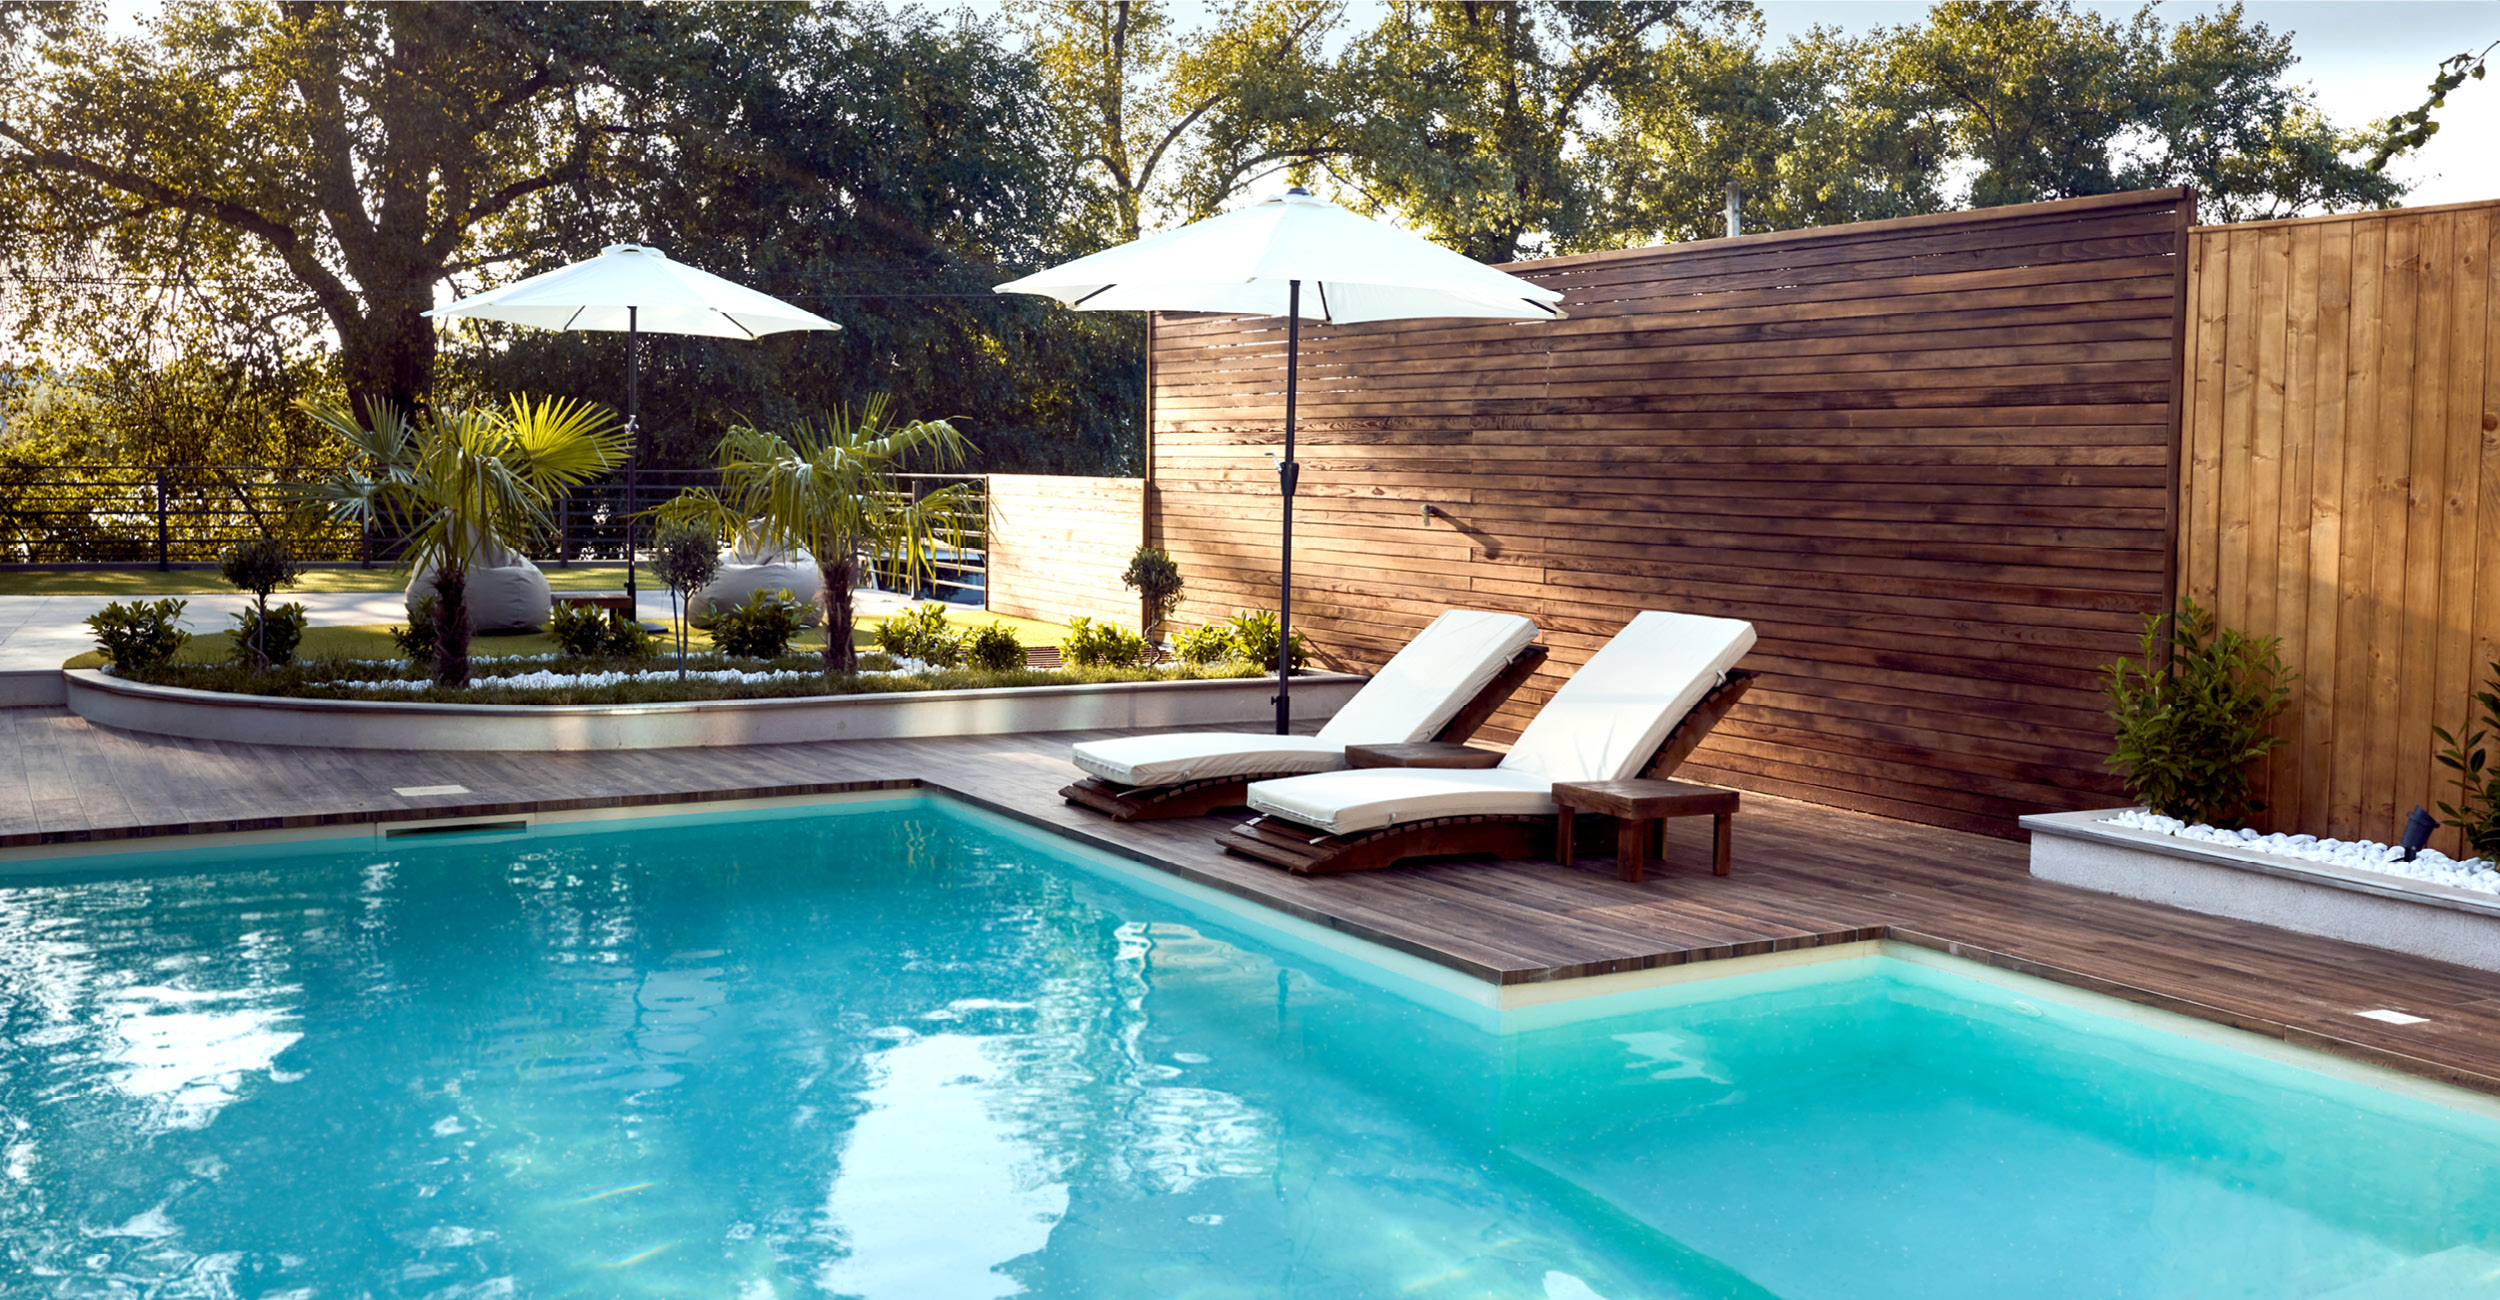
373	641
180	582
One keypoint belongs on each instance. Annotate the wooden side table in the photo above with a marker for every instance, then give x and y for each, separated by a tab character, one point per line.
1421	753
613	601
1640	808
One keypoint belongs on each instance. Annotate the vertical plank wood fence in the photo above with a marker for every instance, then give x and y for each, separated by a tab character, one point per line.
1059	543
1929	459
2342	489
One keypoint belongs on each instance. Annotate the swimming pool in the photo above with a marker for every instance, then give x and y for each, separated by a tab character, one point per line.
903	1048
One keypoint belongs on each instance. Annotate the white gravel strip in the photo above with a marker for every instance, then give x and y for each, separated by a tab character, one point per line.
2481	875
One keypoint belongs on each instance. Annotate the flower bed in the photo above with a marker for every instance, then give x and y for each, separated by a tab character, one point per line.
564	680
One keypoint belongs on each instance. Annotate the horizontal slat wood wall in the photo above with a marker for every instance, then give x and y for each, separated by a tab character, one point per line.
1059	543
1929	459
2342	490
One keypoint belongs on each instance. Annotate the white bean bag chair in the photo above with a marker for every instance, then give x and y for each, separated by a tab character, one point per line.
750	567
505	592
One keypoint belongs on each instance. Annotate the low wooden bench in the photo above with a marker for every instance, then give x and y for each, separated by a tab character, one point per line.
1641	807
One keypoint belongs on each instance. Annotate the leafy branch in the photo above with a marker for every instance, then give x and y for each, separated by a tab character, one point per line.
2414	129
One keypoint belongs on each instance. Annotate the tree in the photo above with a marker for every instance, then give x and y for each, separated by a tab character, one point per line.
684	556
1179	122
1476	112
828	487
461	482
2414	128
351	154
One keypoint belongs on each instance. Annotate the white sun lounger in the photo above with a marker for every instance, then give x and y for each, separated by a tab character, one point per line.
1619	716
1440	687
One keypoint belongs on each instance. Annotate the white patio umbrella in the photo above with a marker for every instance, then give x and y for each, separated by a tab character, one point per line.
634	287
1259	260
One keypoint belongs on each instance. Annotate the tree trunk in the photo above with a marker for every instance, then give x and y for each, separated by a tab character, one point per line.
837	577
388	356
451	626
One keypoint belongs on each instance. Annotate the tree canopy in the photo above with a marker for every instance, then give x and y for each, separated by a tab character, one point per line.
239	204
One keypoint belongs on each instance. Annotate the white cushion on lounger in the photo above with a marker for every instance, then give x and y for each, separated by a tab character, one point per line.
1344	802
1602	725
1204	755
1408	699
1427	683
1611	716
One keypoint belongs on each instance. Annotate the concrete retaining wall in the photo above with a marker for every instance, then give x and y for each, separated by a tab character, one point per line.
385	724
2364	907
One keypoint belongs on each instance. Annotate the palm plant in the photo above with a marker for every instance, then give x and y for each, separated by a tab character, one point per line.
830	487
457	483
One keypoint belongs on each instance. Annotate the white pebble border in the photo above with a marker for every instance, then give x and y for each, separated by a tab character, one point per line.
662	668
2478	874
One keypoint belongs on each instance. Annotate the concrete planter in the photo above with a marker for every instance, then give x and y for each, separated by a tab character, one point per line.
2365	907
386	724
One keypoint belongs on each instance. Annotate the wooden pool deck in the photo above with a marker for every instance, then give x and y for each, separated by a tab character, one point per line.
1804	875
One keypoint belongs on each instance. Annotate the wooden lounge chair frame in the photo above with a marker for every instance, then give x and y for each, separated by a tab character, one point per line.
1306	851
1131	803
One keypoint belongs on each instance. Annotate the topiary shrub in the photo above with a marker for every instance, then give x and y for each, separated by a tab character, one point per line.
416	641
993	646
1157	582
270	640
2188	731
759	627
1254	634
261	566
2476	813
1102	645
140	636
1212	644
685	556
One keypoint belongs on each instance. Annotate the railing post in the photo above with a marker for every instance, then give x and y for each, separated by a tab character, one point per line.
364	539
564	530
164	548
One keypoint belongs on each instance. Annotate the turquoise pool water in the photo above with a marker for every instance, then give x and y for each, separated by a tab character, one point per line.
905	1050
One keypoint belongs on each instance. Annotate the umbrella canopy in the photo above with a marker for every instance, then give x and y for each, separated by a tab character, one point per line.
637	288
1301	258
1351	269
634	288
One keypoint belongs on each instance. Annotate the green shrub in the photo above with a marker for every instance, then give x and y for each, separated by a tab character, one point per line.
417	641
271	643
140	636
759	627
2188	732
590	632
1212	644
921	632
993	647
2477	809
1254	636
1102	645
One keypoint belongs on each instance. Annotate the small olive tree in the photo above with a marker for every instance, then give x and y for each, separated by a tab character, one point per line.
260	566
1157	582
685	556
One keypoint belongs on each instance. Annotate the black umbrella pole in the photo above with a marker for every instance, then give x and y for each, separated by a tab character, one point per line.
1287	472
633	447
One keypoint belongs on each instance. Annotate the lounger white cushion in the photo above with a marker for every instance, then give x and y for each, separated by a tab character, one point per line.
1205	755
1602	725
1410	698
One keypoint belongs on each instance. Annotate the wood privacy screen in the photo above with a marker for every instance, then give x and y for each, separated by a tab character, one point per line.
2343	489
1928	459
1058	545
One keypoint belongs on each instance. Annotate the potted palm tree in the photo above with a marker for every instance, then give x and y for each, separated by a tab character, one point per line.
830	487
462	484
